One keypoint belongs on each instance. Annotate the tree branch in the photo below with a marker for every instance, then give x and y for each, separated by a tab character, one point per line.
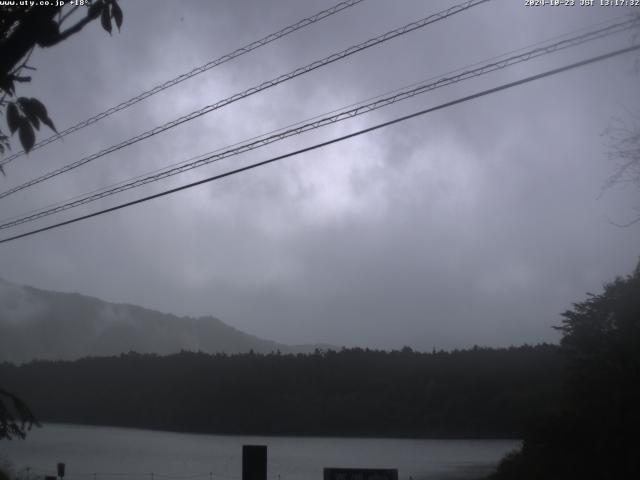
66	15
71	30
10	425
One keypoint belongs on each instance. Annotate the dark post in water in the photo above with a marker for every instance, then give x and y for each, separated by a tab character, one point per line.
254	462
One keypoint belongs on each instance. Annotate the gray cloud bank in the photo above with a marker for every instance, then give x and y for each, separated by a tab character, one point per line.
475	225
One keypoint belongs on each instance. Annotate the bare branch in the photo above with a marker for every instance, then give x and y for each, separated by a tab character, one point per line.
624	225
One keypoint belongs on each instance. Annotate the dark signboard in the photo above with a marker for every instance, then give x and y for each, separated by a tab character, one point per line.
254	462
360	474
61	470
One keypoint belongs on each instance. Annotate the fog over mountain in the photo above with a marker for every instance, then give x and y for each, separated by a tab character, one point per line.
41	324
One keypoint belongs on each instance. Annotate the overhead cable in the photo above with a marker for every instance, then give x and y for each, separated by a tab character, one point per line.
329	142
324	121
317	116
410	27
185	76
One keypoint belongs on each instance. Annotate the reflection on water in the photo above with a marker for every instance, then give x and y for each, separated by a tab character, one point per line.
104	453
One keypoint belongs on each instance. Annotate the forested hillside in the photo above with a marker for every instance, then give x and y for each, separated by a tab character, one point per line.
479	392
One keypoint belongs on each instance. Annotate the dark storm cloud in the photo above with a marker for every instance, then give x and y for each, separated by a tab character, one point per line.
476	224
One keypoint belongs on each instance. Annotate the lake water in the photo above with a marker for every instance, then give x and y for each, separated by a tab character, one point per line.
104	453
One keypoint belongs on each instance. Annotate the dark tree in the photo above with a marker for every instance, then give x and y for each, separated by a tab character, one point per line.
595	433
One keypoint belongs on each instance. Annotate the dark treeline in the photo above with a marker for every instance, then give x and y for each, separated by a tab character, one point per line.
481	392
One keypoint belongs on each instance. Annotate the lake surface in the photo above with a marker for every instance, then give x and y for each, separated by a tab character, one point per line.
105	453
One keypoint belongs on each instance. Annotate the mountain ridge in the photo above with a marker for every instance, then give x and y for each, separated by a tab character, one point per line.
49	325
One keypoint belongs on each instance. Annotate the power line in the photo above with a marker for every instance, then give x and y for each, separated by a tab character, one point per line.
321	122
318	116
330	142
185	76
256	89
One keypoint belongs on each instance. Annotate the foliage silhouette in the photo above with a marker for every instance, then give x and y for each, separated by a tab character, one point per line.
594	435
16	417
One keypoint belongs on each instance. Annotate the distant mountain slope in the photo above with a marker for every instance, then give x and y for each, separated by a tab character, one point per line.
41	324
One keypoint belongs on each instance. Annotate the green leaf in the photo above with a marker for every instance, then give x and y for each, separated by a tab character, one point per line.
116	13
105	19
95	9
27	107
40	111
13	117
34	121
27	136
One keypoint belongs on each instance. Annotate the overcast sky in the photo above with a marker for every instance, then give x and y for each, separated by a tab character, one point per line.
477	224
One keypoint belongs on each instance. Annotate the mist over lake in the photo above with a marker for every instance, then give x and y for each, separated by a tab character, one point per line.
118	453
